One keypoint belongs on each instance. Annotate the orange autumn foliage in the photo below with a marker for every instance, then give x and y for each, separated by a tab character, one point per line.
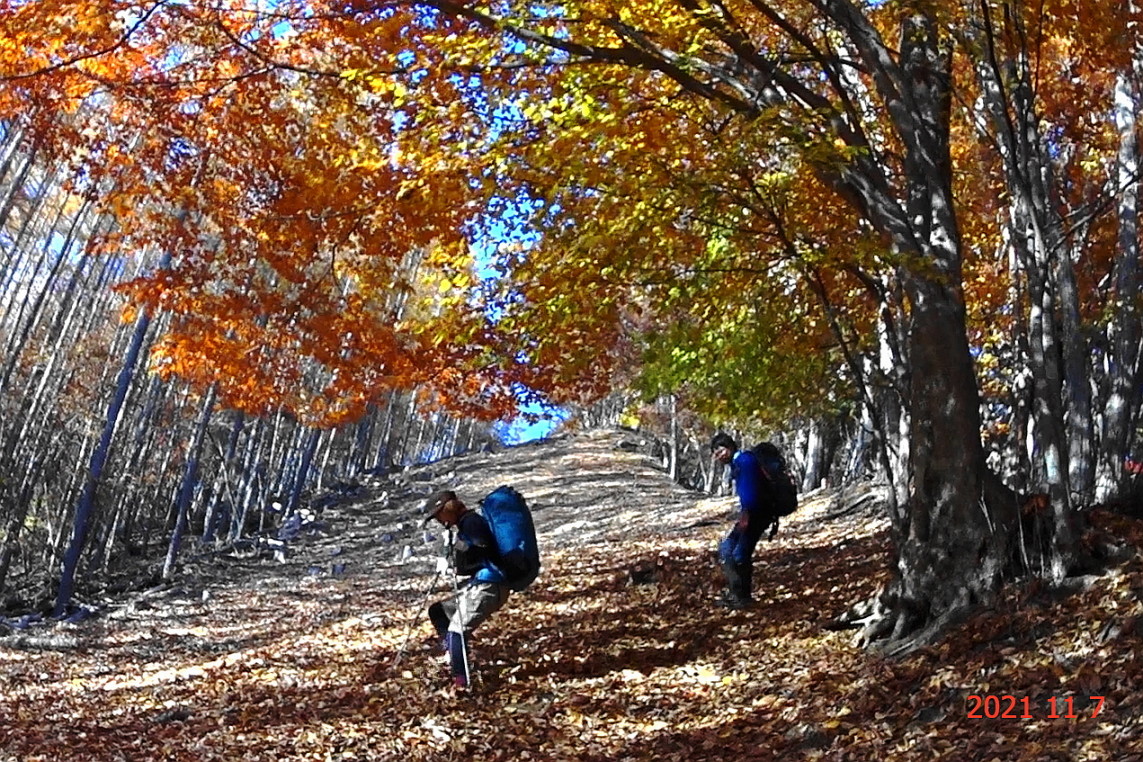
321	175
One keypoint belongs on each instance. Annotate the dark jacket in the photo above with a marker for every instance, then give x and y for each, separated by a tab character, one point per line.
479	555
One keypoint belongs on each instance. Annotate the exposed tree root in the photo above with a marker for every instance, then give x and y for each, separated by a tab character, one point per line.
1029	546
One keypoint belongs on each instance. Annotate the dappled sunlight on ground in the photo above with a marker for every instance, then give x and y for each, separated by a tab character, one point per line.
617	652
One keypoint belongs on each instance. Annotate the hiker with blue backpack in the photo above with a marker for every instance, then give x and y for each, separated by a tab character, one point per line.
765	493
497	549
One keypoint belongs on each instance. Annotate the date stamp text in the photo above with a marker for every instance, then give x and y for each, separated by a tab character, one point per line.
1007	707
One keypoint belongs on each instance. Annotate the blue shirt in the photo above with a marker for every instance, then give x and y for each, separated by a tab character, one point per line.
747	475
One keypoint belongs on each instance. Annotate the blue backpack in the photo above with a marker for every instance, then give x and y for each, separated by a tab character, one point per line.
508	517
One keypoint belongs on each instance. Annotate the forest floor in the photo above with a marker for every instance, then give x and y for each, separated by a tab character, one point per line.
617	652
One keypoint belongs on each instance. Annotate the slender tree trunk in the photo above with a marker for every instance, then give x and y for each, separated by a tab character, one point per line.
356	462
325	447
190	481
1063	407
248	486
422	425
1079	423
85	509
312	438
452	447
384	455
16	522
673	441
222	477
402	451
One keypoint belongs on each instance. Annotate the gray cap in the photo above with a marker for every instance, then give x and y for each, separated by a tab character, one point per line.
436	502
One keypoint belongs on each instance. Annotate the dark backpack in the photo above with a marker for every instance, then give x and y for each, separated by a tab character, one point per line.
510	520
780	488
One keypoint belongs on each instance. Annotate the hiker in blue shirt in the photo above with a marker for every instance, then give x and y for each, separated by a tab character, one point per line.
736	551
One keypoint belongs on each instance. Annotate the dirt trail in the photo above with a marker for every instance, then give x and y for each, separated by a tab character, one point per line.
589	489
583	490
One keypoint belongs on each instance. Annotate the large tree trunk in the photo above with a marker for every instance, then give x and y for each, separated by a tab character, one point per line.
818	453
1122	410
949	554
952	531
959	536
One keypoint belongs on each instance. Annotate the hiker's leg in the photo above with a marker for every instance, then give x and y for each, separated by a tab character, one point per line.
475	604
726	551
743	556
756	524
439	617
458	658
746	572
729	543
736	596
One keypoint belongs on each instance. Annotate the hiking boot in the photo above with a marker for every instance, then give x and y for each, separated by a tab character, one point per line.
732	602
746	576
457	687
435	644
737	595
439	619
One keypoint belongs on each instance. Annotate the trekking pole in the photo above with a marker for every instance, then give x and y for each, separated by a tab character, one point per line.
413	620
462	615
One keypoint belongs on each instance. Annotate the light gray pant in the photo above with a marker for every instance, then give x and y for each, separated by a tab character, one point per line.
472	605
